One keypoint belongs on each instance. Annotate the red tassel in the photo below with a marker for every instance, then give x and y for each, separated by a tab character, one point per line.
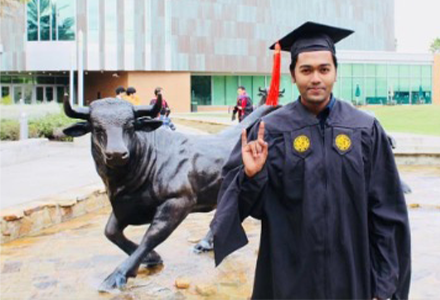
272	98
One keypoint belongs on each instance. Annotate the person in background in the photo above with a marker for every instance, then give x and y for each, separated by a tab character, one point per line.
164	114
120	92
165	111
131	96
244	105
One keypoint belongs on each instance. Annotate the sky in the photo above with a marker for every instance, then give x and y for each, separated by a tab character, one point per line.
417	24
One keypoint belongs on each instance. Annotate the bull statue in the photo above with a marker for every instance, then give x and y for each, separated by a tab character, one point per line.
263	93
152	175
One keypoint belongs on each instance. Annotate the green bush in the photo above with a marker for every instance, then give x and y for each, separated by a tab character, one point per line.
43	127
6	100
9	130
47	126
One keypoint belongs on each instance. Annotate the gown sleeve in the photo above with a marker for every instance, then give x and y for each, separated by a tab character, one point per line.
390	246
238	198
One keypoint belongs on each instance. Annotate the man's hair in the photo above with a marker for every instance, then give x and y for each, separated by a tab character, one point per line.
295	60
119	90
157	90
242	88
130	90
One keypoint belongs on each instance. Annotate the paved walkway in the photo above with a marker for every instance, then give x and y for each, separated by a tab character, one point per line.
35	169
70	260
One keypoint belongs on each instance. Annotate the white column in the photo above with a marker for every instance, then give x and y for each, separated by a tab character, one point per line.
71	82
80	70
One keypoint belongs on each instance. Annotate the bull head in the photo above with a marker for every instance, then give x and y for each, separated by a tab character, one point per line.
113	123
262	92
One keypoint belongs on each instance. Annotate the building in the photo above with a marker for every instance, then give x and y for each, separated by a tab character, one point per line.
199	51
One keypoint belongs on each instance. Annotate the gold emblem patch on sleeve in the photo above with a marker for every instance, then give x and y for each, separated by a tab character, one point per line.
301	143
343	142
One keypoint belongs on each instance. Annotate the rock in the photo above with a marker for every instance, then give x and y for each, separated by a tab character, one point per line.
182	283
206	290
194	240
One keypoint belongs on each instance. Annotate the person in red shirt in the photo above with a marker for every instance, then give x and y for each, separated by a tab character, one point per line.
244	105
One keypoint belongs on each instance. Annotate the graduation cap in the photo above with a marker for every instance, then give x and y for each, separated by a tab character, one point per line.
312	36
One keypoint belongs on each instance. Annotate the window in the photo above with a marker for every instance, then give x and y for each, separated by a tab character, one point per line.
201	90
50	20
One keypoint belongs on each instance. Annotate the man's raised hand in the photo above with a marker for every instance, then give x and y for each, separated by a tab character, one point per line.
254	153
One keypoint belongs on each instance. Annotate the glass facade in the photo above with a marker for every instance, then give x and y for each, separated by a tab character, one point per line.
384	83
357	83
50	20
32	88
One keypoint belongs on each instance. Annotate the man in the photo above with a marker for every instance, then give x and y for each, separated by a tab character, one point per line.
131	96
244	105
321	176
120	91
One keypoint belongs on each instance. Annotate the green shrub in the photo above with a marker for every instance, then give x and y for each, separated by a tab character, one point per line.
9	130
43	127
6	100
47	126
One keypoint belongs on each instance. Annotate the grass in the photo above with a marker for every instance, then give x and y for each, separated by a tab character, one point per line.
418	119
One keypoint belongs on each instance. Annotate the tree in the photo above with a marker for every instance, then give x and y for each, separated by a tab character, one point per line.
435	46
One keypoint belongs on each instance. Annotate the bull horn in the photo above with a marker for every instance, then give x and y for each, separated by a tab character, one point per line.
261	90
282	92
75	113
149	110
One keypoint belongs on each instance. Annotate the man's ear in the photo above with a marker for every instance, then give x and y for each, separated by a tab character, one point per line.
147	124
292	73
78	129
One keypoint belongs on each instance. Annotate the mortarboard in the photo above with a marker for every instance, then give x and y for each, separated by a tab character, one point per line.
312	36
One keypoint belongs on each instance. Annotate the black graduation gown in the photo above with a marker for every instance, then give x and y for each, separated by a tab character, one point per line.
334	219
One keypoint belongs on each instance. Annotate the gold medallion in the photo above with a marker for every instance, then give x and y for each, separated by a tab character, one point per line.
343	142
301	143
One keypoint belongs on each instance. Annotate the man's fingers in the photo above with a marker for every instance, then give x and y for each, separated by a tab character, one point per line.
254	149
263	145
261	131
243	138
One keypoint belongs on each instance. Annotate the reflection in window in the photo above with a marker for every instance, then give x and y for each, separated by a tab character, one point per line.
32	20
50	20
66	22
45	14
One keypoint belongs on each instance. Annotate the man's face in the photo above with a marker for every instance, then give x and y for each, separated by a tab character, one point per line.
314	75
240	92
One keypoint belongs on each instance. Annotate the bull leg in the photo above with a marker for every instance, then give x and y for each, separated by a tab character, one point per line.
206	244
114	231
168	216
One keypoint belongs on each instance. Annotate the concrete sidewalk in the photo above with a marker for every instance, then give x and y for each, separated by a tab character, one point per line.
44	183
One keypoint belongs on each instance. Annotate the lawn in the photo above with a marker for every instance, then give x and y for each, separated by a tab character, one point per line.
419	119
